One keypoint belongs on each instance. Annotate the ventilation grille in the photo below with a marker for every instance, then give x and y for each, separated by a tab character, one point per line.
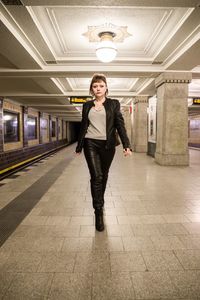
12	2
51	62
157	62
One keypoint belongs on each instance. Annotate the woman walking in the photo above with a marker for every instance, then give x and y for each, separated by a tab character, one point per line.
101	118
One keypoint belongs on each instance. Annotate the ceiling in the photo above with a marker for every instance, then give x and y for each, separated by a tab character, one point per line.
45	57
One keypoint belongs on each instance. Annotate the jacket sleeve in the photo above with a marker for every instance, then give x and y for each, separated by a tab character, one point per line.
83	129
120	126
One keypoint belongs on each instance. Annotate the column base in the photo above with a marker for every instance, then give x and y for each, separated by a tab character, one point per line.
172	159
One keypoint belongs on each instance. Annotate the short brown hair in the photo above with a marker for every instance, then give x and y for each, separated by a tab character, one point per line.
96	78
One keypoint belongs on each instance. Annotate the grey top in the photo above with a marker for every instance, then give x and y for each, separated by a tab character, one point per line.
97	125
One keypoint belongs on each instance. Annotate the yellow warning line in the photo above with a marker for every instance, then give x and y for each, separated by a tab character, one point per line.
19	164
26	161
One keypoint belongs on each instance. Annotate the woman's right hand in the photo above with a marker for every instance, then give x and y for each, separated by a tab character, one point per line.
77	153
127	152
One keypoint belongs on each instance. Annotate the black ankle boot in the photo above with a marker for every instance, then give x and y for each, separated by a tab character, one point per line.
99	224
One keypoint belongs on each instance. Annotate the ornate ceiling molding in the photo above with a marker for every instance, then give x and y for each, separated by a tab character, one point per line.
120	32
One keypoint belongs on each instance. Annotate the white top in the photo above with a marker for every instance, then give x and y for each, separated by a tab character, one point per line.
97	125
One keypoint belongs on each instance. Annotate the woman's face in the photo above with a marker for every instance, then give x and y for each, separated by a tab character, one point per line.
99	89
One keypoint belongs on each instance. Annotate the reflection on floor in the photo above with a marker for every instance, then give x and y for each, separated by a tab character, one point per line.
149	250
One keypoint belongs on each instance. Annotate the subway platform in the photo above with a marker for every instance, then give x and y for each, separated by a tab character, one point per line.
150	248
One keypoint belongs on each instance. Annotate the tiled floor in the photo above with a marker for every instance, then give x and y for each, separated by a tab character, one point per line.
149	250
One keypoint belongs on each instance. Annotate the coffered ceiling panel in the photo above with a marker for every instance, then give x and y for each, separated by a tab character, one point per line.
63	29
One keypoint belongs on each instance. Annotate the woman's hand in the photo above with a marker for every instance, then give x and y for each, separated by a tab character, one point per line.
77	153
127	152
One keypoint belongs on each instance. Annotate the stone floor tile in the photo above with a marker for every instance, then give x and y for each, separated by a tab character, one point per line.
88	211
175	218
92	262
34	220
166	242
192	228
193	217
77	244
129	219
145	229
114	286
161	260
47	244
66	231
55	262
137	243
4	255
152	219
136	211
71	286
115	211
127	261
187	283
112	198
5	281
18	244
83	220
57	220
190	241
87	231
25	262
172	229
154	285
107	243
109	220
29	286
119	230
190	259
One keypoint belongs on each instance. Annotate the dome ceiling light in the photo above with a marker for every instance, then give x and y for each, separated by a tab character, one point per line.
106	50
106	35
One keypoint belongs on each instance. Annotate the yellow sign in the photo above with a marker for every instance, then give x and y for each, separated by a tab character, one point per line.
196	101
79	100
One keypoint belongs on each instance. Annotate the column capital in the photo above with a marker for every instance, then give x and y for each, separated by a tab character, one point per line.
141	99
173	77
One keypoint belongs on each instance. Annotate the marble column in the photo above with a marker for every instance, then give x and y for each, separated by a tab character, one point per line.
127	120
25	125
172	118
1	125
140	124
40	116
50	128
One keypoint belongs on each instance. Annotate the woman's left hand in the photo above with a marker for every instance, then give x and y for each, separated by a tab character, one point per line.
127	152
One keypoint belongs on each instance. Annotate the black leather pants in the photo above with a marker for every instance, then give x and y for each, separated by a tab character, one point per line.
99	160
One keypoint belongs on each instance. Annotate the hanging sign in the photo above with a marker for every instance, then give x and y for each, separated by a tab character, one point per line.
196	101
79	100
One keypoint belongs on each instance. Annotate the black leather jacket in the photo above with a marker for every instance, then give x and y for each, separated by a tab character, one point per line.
114	120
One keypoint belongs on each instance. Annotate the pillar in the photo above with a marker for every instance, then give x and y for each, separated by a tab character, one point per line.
25	125
1	125
172	118
57	130
50	128
40	137
127	120
140	124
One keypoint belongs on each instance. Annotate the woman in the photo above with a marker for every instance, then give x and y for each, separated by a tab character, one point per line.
101	117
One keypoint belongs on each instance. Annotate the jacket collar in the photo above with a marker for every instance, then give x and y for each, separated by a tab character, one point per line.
105	102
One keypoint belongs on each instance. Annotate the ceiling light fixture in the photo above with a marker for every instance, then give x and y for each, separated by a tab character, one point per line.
105	36
106	50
